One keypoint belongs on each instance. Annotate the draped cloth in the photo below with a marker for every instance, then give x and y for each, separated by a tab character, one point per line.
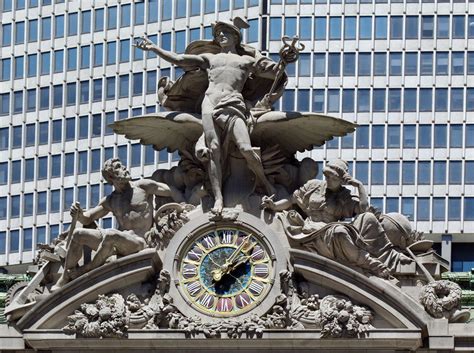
323	231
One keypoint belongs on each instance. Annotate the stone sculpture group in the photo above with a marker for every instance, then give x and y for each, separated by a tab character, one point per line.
237	156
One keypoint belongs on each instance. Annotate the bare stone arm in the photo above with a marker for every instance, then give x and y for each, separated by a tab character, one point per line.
161	189
363	199
173	58
280	205
89	216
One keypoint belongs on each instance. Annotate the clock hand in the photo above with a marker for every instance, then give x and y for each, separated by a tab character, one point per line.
236	252
227	266
240	261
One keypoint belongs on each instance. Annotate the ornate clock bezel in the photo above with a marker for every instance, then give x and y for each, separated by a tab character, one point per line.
199	226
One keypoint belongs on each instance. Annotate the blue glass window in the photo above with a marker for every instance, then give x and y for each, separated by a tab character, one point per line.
166	8
470	99
71	94
393	136
409	100
42	167
98	54
380	64
123	86
469	141
31	66
393	173
43	133
439	172
454	208
362	137
427	27
85	22
6	35
441	99
364	64
137	88
82	167
18	102
318	100
195	7
424	172
349	27
395	64
319	69
349	64
381	27
411	27
409	136
365	27
69	164
45	63
110	88
362	172
440	135
59	26
19	67
319	28
408	207
334	64
411	64
455	172
423	209
442	66
99	16
57	95
335	28
4	139
112	17
305	28
46	28
32	31
378	136
71	59
333	100
68	198
290	26
288	100
424	136
426	99
426	64
275	28
19	32
4	103
378	100
15	172
442	29
85	56
57	131
457	99
363	100
97	90
15	234
41	234
4	173
457	63
458	26
44	98
303	100
111	52
84	92
56	166
469	208
125	15
7	5
348	100
6	70
58	60
72	24
377	173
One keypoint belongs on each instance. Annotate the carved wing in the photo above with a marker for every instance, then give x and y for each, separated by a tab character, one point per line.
293	131
170	130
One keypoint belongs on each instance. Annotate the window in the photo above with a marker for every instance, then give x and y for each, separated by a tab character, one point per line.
458	26
111	52
409	136
411	64
18	102
6	70
362	137
394	100
31	65
72	24
424	172
364	64
123	86
45	63
440	135
378	100
427	27
454	208
423	209
85	22
288	100
68	198
15	237
441	99
99	20
411	27
32	31
409	100
71	59
365	27
469	208
426	99
98	54
6	35
59	26
57	131
380	65
457	99
424	136
319	28
363	100
19	32
442	30
426	64
70	129
393	173
46	28
349	64
377	173
3	138
396	27
31	100
275	28
125	15
85	56
362	172
29	170
439	172
19	67
5	104
112	16
381	27
347	100
318	100
110	88
334	64
56	166
83	127
378	136
28	205
71	93
57	95
319	69
455	172
470	62
457	63
334	28
69	164
58	60
96	125
393	136
84	92
97	90
43	133
125	50
333	100
468	136
408	207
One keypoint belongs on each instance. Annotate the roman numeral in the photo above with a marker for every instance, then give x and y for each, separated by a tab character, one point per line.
256	288
227	237
195	254
261	271
189	271
208	242
194	288
207	300
243	300
224	304
257	254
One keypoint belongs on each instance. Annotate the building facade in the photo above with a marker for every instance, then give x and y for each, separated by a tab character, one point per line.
399	69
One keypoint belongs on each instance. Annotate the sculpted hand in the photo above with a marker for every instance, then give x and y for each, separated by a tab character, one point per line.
267	202
349	180
76	211
144	44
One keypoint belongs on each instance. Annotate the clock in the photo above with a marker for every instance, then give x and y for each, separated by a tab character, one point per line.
227	269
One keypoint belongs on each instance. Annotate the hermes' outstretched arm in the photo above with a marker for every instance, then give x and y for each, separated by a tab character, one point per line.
173	58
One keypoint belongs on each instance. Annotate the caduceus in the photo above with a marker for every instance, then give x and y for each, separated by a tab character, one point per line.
289	53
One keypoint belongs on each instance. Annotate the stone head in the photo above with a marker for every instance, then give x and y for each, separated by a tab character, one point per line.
335	172
115	172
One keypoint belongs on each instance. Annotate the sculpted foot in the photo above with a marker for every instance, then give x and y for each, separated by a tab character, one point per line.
218	206
61	282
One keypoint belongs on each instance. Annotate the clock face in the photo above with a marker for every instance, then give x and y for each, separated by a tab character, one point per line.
225	272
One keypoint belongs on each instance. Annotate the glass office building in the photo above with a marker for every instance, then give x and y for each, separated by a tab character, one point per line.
400	69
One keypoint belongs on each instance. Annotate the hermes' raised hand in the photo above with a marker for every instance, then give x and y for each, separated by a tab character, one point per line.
144	44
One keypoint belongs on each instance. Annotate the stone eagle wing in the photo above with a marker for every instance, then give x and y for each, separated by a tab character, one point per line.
170	130
296	132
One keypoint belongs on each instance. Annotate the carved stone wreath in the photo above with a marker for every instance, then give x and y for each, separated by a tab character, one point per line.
441	298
